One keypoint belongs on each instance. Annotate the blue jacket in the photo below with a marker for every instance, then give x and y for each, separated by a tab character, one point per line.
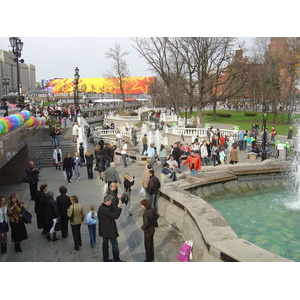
89	220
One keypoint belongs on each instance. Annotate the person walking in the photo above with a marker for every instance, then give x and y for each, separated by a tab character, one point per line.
68	166
108	228
234	155
76	210
57	157
91	221
51	213
77	165
162	155
177	155
124	153
63	202
39	206
145	144
58	135
33	174
119	138
153	188
194	162
111	175
3	224
128	183
150	217
75	132
100	160
273	134
89	156
151	154
18	229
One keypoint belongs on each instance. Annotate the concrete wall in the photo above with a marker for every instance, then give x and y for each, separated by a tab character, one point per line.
214	240
17	148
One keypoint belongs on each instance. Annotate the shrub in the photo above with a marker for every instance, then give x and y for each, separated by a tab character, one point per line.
250	114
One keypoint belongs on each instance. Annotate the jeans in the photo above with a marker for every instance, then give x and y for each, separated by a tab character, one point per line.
115	249
194	172
241	144
77	172
107	162
89	168
163	161
65	121
92	232
58	140
69	174
205	160
124	159
53	143
145	148
152	199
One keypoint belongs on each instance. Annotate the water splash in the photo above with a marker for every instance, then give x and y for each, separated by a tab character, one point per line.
292	201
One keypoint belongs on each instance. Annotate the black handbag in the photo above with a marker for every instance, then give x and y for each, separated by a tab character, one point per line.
26	179
57	226
25	216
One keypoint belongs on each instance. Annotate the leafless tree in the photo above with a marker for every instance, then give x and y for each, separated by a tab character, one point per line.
119	71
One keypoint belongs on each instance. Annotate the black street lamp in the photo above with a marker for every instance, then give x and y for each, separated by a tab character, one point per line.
76	96
264	140
5	82
17	47
4	106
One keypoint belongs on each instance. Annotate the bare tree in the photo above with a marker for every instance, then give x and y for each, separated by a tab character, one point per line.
119	71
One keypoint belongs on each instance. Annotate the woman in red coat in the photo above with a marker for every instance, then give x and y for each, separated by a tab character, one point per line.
195	163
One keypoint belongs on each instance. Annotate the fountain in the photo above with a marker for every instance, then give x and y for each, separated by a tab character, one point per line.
157	140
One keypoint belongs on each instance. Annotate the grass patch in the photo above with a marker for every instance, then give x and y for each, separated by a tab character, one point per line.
239	119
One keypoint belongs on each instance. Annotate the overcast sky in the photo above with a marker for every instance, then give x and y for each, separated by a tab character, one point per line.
58	57
52	34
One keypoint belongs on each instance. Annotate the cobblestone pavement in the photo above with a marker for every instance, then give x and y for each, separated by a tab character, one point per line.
90	192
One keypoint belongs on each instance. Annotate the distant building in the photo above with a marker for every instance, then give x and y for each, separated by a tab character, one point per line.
9	67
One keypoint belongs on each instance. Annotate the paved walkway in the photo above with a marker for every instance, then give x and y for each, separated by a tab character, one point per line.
90	192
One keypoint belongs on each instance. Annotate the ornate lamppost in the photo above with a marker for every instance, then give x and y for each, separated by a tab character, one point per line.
76	96
264	140
17	47
5	83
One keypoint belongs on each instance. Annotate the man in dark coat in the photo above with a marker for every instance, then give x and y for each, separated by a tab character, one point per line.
63	202
108	227
153	187
50	212
177	154
33	174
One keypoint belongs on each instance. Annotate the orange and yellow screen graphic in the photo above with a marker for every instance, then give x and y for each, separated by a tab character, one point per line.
131	85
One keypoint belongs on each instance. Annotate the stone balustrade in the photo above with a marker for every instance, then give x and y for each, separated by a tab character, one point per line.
213	239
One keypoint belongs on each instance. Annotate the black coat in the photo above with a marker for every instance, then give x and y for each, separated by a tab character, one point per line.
33	176
51	210
68	163
107	221
63	202
153	185
39	202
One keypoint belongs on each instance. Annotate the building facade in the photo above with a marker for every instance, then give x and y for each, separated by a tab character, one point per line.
9	67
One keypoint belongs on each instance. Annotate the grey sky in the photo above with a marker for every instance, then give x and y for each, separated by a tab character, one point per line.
58	57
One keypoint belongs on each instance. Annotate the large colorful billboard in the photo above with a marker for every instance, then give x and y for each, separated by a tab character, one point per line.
131	85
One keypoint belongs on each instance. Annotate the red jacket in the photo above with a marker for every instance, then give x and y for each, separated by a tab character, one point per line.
197	162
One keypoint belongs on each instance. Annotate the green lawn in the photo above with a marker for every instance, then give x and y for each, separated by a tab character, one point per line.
244	122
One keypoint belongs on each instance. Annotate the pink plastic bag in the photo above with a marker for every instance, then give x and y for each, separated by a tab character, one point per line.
185	251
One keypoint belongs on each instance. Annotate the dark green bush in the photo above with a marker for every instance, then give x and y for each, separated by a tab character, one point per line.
250	114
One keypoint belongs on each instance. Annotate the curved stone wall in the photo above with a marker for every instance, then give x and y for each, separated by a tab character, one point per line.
214	240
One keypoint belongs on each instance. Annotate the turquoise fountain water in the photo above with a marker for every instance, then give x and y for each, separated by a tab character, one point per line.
270	219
